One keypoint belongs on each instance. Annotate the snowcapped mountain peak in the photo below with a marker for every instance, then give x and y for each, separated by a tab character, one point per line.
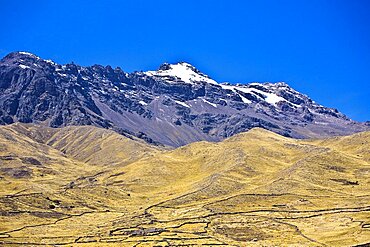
181	72
28	54
281	84
166	66
26	58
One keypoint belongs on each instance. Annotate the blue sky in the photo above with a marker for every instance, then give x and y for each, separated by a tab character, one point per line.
319	47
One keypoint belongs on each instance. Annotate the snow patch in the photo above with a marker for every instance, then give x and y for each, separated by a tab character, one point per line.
234	88
24	66
184	72
50	62
182	103
321	123
270	98
227	87
38	58
273	98
212	104
28	54
244	99
142	102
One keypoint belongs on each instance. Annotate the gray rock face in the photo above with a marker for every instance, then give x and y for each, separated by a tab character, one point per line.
174	105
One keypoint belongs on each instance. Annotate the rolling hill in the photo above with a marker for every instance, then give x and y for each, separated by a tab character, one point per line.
85	186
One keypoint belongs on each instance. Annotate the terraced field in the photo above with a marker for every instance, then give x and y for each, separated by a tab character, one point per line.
85	186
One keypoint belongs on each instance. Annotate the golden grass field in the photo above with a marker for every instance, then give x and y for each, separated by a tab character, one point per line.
85	186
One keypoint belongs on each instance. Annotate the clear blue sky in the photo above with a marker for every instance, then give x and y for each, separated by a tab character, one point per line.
319	47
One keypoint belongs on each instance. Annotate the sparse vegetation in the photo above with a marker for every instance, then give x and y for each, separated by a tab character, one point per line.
92	187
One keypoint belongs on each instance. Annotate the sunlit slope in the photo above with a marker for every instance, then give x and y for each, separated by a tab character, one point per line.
254	189
27	164
89	144
43	181
356	144
33	179
252	155
262	173
252	161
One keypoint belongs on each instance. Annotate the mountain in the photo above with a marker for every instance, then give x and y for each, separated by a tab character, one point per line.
174	106
255	188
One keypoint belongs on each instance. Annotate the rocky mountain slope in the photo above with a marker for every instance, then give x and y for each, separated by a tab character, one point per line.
175	105
253	189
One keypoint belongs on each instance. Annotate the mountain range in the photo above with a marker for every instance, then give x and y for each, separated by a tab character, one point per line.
172	106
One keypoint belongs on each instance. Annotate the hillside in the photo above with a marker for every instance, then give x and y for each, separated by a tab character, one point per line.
90	186
88	144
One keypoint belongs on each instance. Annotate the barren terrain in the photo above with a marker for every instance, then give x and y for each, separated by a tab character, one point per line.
85	186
